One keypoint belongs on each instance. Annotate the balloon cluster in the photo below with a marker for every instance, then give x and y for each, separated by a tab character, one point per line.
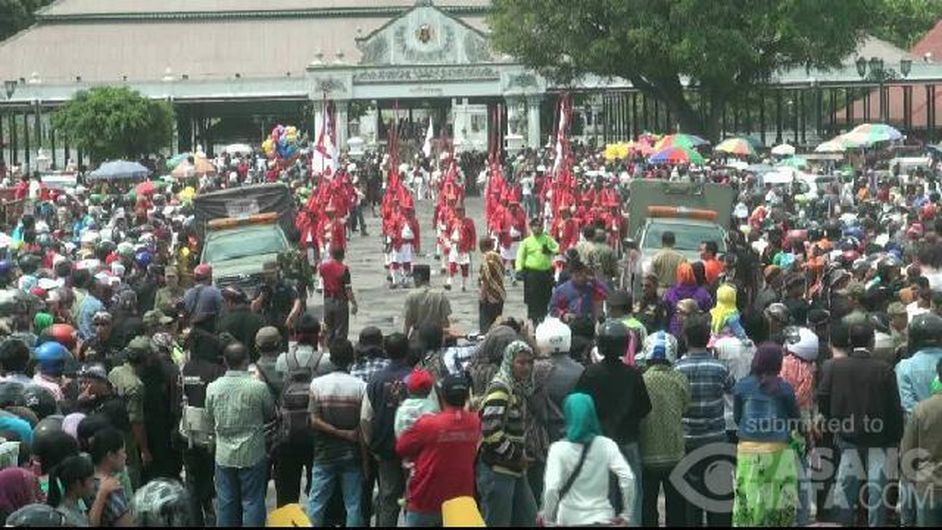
283	143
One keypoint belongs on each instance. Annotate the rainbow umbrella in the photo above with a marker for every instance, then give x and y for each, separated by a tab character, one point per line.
176	160
677	155
689	141
796	162
736	146
835	145
872	133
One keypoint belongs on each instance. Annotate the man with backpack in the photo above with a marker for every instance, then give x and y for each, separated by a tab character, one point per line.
386	390
292	439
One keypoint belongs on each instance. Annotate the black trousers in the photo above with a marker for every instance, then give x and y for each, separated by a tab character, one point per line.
200	465
291	459
652	478
336	318
537	292
488	313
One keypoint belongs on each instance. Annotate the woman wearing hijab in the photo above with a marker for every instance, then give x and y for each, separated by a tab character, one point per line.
765	411
575	494
18	488
725	316
488	356
686	287
502	471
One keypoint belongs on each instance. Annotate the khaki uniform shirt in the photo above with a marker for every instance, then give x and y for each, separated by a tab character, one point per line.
664	264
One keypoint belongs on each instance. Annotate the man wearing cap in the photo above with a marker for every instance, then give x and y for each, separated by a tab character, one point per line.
127	384
535	262
170	294
899	326
662	431
580	297
444	447
769	293
239	320
105	345
155	321
202	303
278	302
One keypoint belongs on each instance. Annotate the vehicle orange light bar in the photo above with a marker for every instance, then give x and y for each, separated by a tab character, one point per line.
230	222
681	212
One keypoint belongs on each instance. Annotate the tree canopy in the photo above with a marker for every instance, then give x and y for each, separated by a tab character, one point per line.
724	49
115	122
904	22
16	15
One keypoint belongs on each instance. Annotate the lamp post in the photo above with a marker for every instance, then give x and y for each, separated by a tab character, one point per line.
876	69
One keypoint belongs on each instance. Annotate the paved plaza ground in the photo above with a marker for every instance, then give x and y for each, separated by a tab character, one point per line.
383	307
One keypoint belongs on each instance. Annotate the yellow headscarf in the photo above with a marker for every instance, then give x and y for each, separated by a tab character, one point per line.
725	307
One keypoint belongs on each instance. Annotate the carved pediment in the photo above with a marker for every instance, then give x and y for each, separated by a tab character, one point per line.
425	35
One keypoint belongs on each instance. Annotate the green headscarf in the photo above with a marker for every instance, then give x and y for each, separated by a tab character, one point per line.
582	423
42	321
935	387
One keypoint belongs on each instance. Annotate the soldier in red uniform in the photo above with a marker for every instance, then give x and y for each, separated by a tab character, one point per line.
512	230
405	241
565	231
463	238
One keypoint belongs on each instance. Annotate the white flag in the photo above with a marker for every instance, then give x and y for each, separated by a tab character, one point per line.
427	148
324	155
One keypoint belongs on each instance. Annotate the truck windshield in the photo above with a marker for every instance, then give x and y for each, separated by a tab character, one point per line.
243	242
688	237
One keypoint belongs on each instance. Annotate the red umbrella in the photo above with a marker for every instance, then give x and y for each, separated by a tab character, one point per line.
145	188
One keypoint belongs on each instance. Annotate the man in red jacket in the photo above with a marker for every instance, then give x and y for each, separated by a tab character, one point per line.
463	238
444	447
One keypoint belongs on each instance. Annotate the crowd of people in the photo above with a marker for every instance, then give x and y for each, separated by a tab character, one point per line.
792	378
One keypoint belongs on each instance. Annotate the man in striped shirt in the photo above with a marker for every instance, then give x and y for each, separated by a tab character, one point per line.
704	421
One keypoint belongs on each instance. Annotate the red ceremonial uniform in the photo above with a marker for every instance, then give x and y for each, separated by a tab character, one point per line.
467	235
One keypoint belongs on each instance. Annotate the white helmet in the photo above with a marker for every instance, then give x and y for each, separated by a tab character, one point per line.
552	336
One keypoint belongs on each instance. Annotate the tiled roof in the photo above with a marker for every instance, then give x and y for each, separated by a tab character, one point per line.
84	7
931	42
202	49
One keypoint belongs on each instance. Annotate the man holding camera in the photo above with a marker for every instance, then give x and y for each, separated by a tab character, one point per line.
535	263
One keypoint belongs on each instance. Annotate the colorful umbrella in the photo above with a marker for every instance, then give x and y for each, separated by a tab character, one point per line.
145	188
176	160
783	150
119	169
835	145
736	146
689	141
677	155
871	133
198	168
796	162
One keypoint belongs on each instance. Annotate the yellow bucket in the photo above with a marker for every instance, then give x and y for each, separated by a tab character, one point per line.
462	511
288	516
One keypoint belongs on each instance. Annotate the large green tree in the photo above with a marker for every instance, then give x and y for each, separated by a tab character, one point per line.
16	15
904	22
115	122
721	47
